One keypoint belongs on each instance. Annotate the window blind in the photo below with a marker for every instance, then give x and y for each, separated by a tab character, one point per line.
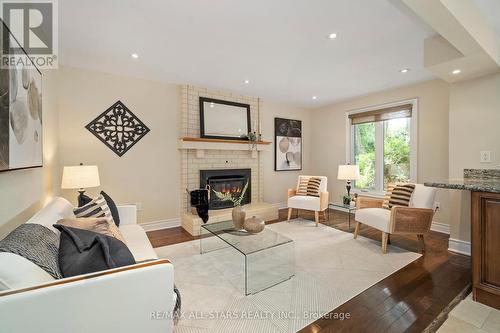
394	112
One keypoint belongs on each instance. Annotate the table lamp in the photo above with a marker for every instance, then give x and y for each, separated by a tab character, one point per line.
348	172
80	177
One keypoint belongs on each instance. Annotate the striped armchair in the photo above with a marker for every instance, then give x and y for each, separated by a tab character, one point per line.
310	194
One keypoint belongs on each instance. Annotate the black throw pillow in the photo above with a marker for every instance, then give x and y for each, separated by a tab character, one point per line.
112	208
83	251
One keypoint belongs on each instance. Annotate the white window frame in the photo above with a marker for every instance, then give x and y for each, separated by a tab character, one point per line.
379	162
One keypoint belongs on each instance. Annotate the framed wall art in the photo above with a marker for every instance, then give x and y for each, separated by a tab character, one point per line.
287	144
21	141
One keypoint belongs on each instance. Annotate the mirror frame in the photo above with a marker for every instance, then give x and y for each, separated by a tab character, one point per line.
218	101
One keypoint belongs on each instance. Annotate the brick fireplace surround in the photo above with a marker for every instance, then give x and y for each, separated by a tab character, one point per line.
192	161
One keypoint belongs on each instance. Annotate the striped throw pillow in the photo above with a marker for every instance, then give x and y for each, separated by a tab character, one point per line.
401	195
387	196
302	187
313	186
99	208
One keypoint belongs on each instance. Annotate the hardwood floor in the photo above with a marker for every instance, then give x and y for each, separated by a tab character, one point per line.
406	301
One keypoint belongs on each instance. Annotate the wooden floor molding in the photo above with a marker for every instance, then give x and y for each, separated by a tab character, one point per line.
409	300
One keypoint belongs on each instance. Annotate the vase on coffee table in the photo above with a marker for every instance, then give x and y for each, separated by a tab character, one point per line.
238	215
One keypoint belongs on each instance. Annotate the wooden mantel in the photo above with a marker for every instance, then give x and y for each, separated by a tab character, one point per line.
202	144
190	139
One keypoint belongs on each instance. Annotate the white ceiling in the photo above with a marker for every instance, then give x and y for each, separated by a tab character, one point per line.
281	46
491	10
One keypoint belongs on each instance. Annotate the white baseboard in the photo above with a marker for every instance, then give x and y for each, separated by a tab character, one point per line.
459	246
280	205
440	227
162	224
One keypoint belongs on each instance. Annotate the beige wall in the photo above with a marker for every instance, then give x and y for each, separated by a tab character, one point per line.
474	126
329	139
276	183
149	172
23	192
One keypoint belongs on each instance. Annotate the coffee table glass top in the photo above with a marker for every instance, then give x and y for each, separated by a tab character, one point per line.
245	242
341	205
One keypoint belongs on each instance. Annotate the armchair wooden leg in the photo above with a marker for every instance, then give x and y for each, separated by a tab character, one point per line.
422	242
384	242
289	214
356	229
316	217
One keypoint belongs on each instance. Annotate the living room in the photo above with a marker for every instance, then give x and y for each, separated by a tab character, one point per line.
244	122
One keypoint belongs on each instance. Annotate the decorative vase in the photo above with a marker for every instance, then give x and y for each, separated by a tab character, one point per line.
238	215
346	200
254	225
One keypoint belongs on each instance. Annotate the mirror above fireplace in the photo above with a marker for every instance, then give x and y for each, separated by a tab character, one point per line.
223	119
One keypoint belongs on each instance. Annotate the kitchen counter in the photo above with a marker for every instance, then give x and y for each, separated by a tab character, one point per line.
491	185
485	230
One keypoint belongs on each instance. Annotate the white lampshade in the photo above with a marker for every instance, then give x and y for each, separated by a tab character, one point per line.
80	176
348	172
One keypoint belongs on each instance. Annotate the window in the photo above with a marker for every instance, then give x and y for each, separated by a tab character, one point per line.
383	145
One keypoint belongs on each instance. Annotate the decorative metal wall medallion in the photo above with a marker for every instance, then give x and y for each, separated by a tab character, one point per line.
118	128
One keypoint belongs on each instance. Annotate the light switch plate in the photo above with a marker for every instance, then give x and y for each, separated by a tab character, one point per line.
485	156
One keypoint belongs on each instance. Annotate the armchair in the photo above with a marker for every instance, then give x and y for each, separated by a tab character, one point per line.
415	219
308	202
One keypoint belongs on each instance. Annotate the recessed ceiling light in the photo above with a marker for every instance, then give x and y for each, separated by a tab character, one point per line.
456	71
405	70
247	81
135	55
333	35
315	97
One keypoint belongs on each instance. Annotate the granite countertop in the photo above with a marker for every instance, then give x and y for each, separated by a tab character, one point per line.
469	184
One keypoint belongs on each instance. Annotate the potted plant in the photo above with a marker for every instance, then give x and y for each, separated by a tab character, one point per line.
238	212
346	200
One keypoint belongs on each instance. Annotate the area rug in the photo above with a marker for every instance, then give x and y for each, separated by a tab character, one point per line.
330	268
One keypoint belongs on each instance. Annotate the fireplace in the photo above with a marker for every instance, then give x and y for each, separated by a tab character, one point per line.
226	181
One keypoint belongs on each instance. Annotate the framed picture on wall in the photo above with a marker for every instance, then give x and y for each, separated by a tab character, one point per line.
20	108
287	144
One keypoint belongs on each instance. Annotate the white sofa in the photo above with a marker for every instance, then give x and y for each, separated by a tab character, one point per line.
136	298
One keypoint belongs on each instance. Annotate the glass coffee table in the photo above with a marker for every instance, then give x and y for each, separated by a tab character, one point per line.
269	256
348	208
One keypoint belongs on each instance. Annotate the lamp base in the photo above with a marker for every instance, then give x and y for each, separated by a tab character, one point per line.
82	198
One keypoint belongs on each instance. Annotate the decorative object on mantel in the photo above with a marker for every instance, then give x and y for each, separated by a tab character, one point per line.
118	128
238	212
252	138
235	116
20	110
348	173
288	144
254	225
80	177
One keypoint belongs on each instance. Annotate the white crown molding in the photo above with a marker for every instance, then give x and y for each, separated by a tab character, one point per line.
161	224
459	246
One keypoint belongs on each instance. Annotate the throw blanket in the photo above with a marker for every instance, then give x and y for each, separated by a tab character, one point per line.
177	307
36	243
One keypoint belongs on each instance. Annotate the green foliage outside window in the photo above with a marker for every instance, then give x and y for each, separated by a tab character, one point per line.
396	152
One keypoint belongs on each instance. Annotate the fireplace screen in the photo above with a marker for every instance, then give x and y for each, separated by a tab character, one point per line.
230	181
